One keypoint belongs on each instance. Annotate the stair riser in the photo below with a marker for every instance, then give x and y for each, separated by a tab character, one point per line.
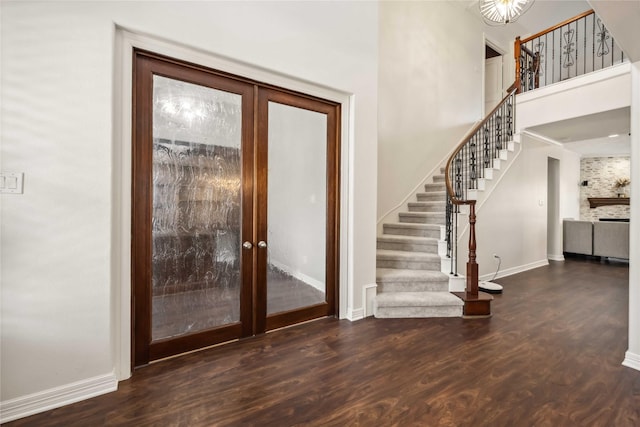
438	179
408	264
431	248
410	232
431	197
429	219
428	208
410	312
413	287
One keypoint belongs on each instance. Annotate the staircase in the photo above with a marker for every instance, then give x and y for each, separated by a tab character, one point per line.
409	273
409	277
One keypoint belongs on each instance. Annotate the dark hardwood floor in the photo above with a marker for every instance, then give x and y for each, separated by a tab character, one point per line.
550	356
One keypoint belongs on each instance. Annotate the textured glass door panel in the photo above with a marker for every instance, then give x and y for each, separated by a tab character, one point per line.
296	208
196	218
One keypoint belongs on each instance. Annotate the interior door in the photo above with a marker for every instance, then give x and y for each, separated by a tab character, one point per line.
193	208
297	198
235	207
492	83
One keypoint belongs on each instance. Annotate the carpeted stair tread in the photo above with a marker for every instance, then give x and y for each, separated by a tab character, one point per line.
435	186
428	206
423	217
404	255
402	275
416	305
436	196
415	226
397	242
411	229
403	238
417	299
429	203
423	214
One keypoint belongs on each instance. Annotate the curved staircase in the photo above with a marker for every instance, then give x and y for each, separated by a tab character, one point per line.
411	252
409	277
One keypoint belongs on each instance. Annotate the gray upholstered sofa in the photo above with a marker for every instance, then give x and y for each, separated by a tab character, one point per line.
599	238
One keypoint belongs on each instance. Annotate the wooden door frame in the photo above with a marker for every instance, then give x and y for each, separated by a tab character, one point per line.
332	236
146	65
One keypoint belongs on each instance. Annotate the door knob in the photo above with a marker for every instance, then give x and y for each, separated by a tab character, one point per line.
247	245
262	244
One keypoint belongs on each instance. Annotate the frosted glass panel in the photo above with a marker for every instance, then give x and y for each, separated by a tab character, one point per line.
196	208
296	212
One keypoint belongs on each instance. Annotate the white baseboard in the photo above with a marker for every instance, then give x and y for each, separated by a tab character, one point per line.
553	257
631	360
515	270
35	403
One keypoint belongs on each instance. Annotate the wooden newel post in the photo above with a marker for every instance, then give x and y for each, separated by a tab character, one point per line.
516	54
472	266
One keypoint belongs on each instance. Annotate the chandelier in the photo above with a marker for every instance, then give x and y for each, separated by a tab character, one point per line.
501	12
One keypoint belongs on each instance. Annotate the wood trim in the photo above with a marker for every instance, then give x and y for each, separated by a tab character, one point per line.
140	225
262	185
595	202
516	55
560	25
228	75
174	346
143	347
332	111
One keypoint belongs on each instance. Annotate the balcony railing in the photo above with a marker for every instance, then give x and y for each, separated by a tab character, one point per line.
577	46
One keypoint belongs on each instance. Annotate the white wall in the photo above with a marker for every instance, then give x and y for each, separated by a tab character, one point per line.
430	90
569	187
622	19
512	221
58	308
554	226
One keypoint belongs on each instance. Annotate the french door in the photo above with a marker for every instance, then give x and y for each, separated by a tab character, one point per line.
235	207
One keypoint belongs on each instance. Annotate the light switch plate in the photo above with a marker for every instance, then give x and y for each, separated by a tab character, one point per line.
11	182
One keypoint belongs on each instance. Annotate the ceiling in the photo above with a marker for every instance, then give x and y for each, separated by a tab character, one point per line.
591	126
542	14
589	135
601	134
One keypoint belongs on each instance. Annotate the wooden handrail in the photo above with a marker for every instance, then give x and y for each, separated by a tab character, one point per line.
560	25
464	142
474	303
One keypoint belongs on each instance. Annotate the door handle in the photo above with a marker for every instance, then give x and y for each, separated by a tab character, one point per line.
247	245
262	244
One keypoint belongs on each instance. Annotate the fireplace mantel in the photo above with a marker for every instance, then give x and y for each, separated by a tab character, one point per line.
595	202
